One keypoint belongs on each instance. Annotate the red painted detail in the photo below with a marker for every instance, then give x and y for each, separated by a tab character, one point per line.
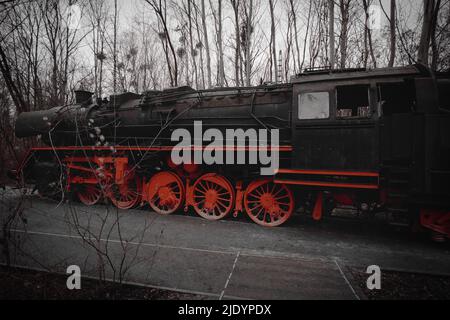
330	173
213	196
127	193
238	208
165	148
328	184
317	212
95	159
189	195
268	204
436	220
343	199
164	192
82	180
119	165
80	168
122	175
191	168
89	194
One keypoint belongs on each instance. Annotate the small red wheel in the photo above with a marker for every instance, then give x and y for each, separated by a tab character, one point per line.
268	204
166	193
213	197
89	194
127	195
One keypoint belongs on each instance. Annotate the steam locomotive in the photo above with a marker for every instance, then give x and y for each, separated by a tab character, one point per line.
375	140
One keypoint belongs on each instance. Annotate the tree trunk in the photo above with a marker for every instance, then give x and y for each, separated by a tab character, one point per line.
369	34
308	23
206	43
248	62
200	47
331	34
297	47
434	46
345	15
115	49
191	40
273	40
237	52
392	23
161	12
427	26
219	43
12	88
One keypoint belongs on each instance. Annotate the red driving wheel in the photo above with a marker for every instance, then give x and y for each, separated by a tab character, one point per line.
165	192
213	197
268	204
128	194
89	194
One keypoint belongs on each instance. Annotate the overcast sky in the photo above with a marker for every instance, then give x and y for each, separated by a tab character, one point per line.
130	9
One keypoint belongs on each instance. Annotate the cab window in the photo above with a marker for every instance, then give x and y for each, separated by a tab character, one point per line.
353	102
314	105
396	97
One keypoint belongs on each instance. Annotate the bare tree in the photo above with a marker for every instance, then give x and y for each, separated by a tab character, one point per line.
217	14
308	26
293	14
393	33
199	45
392	18
368	46
331	33
237	50
273	42
441	46
319	40
191	41
98	19
160	10
246	40
115	48
430	13
344	6
434	45
206	44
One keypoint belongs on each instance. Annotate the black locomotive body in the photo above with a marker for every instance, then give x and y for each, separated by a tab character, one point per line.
371	139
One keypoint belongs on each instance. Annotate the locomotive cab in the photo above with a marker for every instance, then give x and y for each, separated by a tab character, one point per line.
366	137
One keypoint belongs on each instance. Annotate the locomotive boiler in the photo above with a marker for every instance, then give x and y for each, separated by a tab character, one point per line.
370	139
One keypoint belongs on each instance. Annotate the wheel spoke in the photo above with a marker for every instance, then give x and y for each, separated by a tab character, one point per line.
213	197
268	204
89	194
127	196
168	189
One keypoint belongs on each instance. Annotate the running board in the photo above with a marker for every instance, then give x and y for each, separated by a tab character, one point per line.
329	179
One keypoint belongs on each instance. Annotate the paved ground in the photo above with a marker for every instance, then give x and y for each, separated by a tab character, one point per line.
222	260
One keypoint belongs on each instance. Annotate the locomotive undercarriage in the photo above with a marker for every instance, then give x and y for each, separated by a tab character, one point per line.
93	175
115	176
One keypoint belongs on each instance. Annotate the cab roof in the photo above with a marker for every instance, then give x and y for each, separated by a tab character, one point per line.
324	75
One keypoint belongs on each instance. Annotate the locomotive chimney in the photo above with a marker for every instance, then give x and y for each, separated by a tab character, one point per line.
83	97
